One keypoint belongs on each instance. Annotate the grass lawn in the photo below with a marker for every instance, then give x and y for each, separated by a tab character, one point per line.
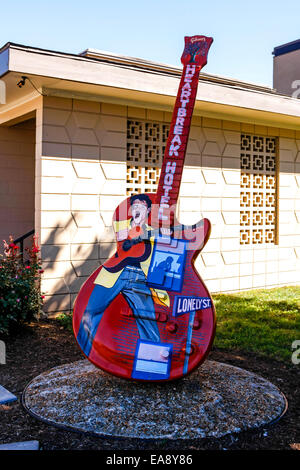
261	321
264	321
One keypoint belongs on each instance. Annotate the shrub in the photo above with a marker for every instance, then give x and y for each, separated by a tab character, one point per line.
65	320
20	297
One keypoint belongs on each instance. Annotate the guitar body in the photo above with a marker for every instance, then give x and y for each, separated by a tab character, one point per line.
146	314
186	326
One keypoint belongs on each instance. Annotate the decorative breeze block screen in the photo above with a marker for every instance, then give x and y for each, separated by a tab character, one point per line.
146	143
258	189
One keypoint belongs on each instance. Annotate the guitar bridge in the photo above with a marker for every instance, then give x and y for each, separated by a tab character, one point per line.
161	317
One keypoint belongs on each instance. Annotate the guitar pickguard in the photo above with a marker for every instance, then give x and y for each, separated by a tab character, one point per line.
167	266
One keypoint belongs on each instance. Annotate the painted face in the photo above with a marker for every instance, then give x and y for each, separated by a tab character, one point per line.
139	211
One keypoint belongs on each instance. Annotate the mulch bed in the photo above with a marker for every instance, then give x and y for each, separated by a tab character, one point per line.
39	347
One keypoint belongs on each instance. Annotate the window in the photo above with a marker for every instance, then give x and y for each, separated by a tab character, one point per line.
258	190
146	143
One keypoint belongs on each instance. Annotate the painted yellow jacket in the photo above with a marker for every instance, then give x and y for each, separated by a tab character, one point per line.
108	279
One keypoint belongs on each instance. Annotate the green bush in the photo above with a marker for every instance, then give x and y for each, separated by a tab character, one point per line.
20	297
65	320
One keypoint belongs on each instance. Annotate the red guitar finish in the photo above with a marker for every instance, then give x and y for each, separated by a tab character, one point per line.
146	314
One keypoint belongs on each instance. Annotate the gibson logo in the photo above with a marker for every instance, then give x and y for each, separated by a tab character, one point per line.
196	38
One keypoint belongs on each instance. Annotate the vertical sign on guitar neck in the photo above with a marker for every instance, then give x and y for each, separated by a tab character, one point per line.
194	58
185	95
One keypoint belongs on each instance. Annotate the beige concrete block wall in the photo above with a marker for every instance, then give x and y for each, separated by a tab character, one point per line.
83	173
17	174
289	208
83	178
211	188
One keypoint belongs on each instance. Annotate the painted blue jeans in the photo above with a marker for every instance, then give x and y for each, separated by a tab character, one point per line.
132	284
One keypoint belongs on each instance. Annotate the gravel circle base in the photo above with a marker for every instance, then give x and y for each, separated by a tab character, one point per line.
216	399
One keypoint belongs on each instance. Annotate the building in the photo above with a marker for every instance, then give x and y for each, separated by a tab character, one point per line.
80	132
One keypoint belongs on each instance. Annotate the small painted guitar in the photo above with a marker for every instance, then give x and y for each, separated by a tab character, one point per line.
146	314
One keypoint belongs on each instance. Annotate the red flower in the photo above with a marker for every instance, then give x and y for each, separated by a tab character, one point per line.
13	246
35	246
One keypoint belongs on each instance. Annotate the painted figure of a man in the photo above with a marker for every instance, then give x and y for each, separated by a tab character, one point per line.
130	281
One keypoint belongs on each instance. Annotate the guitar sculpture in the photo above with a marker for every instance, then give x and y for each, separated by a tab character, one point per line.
145	314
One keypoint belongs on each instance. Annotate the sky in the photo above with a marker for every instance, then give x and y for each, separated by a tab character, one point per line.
245	33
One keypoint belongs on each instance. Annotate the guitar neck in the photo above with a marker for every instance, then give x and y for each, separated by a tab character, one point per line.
172	167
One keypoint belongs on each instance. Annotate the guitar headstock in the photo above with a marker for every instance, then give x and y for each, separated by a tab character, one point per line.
195	50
